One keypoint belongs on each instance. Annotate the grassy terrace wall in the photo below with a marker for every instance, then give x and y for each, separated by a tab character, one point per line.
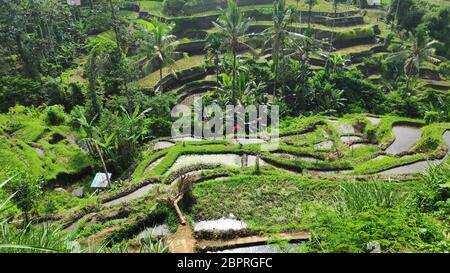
193	74
29	143
201	6
198	22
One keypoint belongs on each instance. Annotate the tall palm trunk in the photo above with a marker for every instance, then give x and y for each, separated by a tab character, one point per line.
309	16
396	13
119	48
334	24
233	98
217	70
28	63
99	152
116	31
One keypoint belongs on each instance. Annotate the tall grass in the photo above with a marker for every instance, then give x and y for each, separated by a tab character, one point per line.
50	239
33	239
358	197
434	191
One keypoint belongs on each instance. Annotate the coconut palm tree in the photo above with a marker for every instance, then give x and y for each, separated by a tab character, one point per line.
94	109
417	50
283	42
160	48
335	10
276	35
233	28
213	49
298	12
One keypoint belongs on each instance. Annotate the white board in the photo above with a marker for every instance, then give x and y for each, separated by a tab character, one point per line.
100	180
74	2
371	3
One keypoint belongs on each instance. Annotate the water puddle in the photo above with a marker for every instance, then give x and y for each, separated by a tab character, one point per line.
374	121
39	151
251	161
153	164
412	168
187	138
222	224
357	145
161	145
324	145
447	140
74	226
347	139
132	196
230	160
245	141
154	232
379	157
193	174
296	157
289	248
343	128
328	172
405	138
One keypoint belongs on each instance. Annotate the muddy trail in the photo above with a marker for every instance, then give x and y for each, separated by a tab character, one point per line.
182	241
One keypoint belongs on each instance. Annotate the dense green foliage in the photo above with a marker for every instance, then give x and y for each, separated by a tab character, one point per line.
90	89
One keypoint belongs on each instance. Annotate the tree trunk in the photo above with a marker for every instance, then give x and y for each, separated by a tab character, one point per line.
217	71
334	24
396	13
103	162
27	218
234	77
116	31
275	72
309	16
177	209
130	98
29	67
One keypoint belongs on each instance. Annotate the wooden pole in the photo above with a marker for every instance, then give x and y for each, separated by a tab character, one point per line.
103	162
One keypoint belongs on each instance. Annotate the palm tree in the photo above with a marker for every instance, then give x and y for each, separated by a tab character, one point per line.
94	109
298	12
213	49
417	50
335	9
233	28
160	48
276	36
311	4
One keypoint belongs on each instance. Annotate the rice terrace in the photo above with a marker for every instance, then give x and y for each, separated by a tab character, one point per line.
225	126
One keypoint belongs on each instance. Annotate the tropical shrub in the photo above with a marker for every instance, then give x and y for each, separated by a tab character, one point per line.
25	191
54	115
433	193
19	90
431	117
393	229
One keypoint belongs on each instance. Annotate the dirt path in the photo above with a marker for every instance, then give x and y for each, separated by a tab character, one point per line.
182	241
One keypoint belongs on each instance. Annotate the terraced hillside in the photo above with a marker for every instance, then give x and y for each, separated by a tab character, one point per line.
360	162
315	158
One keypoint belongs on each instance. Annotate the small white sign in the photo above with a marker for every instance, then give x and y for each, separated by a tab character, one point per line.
74	2
372	3
100	180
